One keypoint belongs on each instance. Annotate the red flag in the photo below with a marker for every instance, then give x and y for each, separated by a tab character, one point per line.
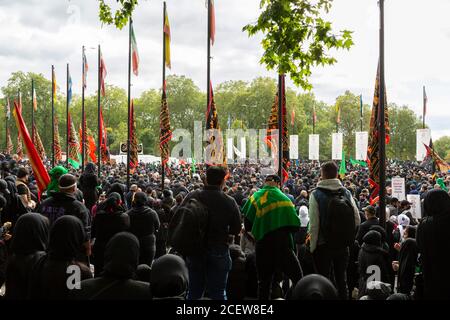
103	74
92	148
213	22
40	173
165	134
104	151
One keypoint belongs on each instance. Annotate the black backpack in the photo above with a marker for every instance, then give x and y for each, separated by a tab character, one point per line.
337	218
187	228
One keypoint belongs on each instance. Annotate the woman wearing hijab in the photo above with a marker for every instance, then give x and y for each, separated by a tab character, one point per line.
28	246
372	254
144	223
88	185
434	245
66	248
119	188
314	287
407	261
169	278
109	220
117	280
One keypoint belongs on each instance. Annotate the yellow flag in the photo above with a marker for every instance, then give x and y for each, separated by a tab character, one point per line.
167	39
54	83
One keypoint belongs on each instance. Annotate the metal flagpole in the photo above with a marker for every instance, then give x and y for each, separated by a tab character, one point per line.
129	104
382	128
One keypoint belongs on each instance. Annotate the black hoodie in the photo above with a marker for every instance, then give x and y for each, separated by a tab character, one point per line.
434	244
116	283
407	265
169	278
28	246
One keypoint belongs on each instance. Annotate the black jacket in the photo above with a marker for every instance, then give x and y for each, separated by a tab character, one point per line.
407	266
224	215
61	204
371	255
364	228
88	184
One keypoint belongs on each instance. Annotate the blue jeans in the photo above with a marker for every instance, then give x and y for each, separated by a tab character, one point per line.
209	271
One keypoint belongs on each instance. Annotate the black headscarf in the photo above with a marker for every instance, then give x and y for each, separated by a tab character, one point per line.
111	203
436	203
121	256
90	168
314	287
67	236
140	199
169	277
119	188
30	234
372	238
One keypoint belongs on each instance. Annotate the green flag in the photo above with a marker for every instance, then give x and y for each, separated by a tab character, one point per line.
358	162
342	169
193	166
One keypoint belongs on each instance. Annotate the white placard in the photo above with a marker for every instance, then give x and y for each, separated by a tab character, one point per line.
416	208
423	136
361	143
398	188
314	141
336	149
243	147
230	151
293	147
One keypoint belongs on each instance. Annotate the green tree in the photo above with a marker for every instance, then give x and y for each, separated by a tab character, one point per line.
297	38
442	146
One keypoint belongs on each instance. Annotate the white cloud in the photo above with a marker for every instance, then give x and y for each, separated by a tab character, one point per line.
36	34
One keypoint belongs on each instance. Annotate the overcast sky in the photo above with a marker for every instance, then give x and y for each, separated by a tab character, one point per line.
36	34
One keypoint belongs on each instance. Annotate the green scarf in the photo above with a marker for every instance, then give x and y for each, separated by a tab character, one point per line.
55	174
270	209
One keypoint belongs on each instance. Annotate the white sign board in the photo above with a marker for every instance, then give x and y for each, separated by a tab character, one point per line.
314	147
337	143
293	147
423	137
243	147
361	143
416	208
398	188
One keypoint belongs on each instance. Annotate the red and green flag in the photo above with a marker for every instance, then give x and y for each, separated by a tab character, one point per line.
134	52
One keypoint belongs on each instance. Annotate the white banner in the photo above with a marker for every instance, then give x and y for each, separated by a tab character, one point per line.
416	208
361	143
230	151
336	149
423	136
243	147
314	143
398	188
293	147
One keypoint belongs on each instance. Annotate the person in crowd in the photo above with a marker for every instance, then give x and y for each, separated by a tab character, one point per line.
144	224
371	220
55	173
208	270
272	219
23	190
314	287
393	206
407	261
130	195
372	258
64	203
405	208
109	220
117	282
27	246
88	185
65	257
325	254
169	278
433	245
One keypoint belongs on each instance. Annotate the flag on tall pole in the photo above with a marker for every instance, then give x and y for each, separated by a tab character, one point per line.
104	150
425	100
167	38
68	125
34	100
55	139
133	140
216	155
284	133
9	144
342	168
441	164
103	74
39	171
212	14
38	143
134	51
73	155
165	133
19	149
85	68
373	150
56	144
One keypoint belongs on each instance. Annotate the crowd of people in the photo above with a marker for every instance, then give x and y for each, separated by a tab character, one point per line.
315	236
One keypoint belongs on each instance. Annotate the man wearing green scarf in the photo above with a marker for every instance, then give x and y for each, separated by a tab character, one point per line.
272	219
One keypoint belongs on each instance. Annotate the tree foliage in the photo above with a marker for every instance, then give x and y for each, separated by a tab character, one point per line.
297	38
240	104
120	16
